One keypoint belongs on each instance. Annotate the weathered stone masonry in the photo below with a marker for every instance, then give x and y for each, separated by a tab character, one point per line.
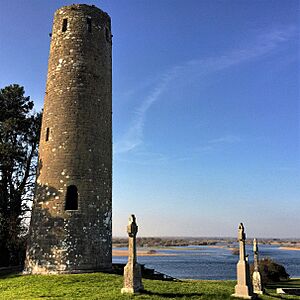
70	228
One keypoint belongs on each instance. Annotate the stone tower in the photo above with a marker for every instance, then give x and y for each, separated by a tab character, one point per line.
70	230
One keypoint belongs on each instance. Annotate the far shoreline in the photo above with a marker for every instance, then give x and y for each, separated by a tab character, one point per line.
289	248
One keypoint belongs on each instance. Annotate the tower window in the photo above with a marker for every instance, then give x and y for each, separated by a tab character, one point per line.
47	134
89	24
71	198
107	34
65	25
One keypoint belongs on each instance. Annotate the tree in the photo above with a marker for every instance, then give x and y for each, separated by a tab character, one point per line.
19	138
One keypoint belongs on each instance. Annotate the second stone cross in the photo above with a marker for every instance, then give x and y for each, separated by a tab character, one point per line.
132	270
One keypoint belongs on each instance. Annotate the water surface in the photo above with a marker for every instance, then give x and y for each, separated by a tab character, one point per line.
204	262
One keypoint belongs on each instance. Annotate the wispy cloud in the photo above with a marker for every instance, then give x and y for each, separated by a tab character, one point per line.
217	142
264	44
145	158
226	139
134	135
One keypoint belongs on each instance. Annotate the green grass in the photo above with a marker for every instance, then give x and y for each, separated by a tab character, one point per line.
108	286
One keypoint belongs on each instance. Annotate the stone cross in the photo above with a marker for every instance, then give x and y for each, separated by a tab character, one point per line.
255	251
132	230
243	289
132	271
256	278
242	239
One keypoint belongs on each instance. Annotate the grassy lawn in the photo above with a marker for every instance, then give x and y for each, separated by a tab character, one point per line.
108	286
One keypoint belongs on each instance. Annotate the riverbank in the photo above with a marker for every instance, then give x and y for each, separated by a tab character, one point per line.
290	248
158	251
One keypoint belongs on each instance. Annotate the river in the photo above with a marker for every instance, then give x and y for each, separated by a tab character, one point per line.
204	262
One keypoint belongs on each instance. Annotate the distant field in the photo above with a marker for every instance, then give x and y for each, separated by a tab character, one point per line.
108	286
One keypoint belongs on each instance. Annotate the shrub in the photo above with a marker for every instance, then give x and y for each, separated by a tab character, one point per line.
235	251
151	251
271	271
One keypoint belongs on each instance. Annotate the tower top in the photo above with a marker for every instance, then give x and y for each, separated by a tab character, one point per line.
81	7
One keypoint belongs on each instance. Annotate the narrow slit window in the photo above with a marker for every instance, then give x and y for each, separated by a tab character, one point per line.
47	134
89	24
71	198
107	34
65	25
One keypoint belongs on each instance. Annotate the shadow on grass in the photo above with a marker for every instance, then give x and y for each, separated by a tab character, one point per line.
10	275
276	296
289	283
171	295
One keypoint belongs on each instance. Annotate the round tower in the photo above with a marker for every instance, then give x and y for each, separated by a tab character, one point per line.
70	230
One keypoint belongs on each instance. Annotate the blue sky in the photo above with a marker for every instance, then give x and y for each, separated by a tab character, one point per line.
206	116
